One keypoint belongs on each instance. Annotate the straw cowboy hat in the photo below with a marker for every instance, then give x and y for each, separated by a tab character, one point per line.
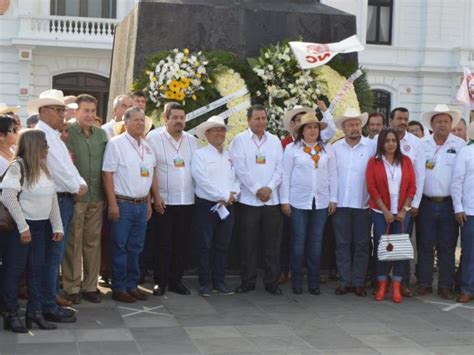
4	108
428	116
46	98
212	122
350	114
308	118
292	113
119	127
470	131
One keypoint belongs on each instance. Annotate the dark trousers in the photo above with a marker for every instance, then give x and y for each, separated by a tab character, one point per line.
352	232
3	251
260	226
29	257
213	237
172	244
285	245
467	260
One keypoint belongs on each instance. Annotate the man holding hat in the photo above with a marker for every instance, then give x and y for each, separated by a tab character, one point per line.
437	224
351	222
50	107
462	192
121	104
216	189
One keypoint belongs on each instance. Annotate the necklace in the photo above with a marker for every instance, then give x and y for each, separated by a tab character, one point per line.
314	152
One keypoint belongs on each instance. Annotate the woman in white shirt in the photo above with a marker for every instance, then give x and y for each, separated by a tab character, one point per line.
30	197
8	138
308	194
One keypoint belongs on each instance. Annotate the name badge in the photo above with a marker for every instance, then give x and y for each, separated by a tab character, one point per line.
260	158
430	164
144	171
178	162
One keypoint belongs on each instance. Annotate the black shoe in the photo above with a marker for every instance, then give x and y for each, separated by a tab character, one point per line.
273	289
315	291
38	319
341	290
179	288
11	321
67	312
244	287
158	291
297	291
59	317
92	296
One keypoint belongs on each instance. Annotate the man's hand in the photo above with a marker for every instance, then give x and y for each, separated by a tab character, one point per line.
57	237
388	217
114	212
82	191
159	204
149	211
414	212
25	237
232	198
286	209
401	215
460	218
332	208
264	194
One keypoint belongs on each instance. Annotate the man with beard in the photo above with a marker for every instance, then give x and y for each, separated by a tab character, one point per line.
173	194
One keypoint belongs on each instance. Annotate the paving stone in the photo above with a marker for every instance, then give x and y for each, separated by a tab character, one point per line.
36	336
115	334
212	332
224	345
109	347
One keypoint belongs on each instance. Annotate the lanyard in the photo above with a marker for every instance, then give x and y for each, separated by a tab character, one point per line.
134	147
390	170
179	145
438	147
259	145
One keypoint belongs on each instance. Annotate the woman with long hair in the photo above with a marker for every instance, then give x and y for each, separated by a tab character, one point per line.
30	197
391	185
308	194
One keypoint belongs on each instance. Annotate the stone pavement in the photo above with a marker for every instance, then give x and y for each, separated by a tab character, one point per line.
257	323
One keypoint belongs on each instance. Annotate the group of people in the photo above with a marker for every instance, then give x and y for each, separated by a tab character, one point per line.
83	204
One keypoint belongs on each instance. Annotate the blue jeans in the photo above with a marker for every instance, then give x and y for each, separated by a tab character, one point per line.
54	257
437	225
352	232
308	230
29	257
213	236
127	238
467	260
380	227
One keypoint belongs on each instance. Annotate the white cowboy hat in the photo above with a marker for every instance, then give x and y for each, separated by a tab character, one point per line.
308	118
72	106
4	108
470	131
212	122
292	113
46	98
350	114
441	108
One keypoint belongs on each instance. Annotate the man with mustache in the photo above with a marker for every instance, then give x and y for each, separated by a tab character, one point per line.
173	195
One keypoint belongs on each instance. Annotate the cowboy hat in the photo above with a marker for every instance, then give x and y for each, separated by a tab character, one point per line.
119	127
292	113
72	106
212	122
350	114
441	108
470	131
4	108
308	118
46	98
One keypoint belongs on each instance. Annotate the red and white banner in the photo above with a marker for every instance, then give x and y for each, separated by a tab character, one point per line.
466	90
311	55
344	89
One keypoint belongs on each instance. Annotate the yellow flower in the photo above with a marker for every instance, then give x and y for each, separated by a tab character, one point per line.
179	96
209	81
185	83
198	75
194	97
186	51
170	95
174	85
197	64
162	87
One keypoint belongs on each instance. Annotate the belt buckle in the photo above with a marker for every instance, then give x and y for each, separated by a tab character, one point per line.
438	199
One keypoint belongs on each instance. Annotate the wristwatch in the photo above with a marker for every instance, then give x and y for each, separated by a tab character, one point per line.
407	208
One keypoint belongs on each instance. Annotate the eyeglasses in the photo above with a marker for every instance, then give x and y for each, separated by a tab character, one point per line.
13	130
57	109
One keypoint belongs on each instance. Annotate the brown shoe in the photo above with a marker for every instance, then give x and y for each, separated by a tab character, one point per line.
75	298
444	293
405	291
137	294
283	278
341	290
92	297
464	298
123	297
423	291
360	291
62	302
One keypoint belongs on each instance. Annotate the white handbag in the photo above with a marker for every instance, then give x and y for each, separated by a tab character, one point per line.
393	247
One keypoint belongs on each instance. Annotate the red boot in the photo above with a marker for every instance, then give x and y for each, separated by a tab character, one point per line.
396	292
381	290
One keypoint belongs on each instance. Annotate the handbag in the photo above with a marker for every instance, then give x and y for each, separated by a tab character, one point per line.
394	247
7	223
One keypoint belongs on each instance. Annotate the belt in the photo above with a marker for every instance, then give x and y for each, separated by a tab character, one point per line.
438	199
136	201
64	194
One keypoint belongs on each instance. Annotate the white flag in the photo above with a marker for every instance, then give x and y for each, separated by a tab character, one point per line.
466	90
310	55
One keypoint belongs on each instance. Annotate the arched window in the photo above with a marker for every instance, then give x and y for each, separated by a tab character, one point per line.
382	102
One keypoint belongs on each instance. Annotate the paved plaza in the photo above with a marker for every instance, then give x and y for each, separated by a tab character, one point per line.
257	323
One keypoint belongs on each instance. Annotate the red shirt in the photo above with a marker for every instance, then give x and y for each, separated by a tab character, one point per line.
377	182
287	140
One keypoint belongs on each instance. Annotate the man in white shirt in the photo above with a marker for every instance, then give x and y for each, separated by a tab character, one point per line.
173	195
121	104
127	172
436	222
375	124
461	129
50	107
257	157
462	192
351	222
216	191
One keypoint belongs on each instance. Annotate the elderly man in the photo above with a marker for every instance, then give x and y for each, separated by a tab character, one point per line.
257	156
128	169
87	145
71	108
120	105
351	222
375	124
69	184
216	191
462	192
437	224
173	196
460	130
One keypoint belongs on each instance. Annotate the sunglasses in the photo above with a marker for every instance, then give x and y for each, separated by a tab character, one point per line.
57	109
